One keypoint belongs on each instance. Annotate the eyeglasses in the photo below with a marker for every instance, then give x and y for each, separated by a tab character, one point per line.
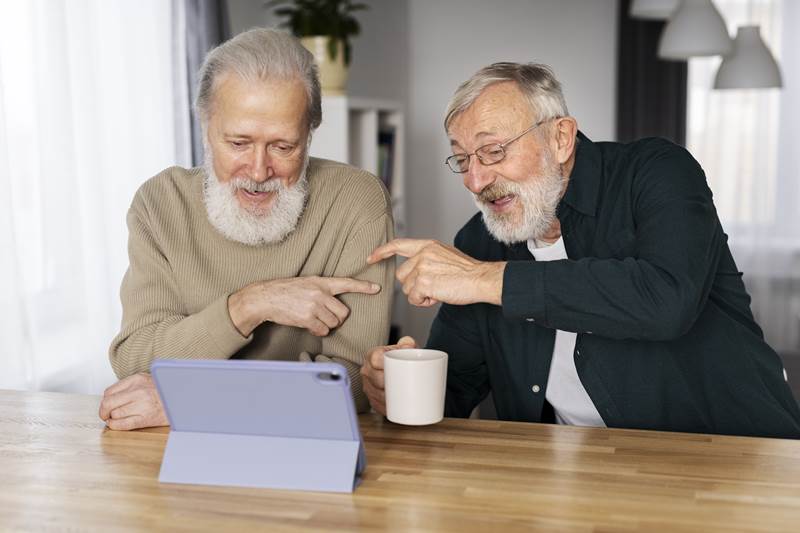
488	154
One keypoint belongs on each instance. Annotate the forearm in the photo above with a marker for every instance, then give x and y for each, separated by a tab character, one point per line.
208	334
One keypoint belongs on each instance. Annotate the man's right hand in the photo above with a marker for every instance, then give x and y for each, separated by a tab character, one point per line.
372	373
306	302
133	403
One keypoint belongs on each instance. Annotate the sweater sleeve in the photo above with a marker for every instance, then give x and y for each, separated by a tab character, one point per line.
154	321
367	325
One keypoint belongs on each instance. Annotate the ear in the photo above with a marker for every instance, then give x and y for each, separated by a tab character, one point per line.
565	130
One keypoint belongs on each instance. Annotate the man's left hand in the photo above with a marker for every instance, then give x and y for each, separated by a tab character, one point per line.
133	403
436	272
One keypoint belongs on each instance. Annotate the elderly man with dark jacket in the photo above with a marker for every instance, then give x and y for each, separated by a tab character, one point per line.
595	287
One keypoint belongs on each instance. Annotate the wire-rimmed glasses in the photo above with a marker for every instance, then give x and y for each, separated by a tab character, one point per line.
488	154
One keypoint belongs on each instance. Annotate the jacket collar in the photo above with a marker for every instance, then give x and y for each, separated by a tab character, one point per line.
583	186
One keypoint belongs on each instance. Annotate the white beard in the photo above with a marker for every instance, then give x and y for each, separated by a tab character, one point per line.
538	199
253	228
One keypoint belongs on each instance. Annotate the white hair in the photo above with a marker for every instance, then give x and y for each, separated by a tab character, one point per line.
260	54
536	81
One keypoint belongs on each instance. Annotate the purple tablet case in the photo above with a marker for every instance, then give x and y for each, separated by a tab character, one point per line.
271	424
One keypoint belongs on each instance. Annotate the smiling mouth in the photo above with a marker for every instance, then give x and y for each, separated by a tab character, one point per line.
260	198
501	201
255	194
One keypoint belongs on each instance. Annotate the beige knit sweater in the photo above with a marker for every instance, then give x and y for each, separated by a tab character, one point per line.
175	292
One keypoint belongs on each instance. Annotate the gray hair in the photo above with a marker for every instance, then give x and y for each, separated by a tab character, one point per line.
536	81
260	54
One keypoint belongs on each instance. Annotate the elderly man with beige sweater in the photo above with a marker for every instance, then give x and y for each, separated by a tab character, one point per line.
259	254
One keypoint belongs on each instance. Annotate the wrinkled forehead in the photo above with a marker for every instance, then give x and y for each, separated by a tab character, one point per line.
499	109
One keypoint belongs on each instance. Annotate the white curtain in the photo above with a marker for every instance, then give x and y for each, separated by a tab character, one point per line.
88	102
746	141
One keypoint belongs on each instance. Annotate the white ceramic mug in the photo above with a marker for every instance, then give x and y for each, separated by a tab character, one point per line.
415	381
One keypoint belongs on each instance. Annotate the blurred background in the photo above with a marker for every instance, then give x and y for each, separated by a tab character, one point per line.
95	99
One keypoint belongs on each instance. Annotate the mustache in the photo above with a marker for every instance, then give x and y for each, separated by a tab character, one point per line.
495	191
255	186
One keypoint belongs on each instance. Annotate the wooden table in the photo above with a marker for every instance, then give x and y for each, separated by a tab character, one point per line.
60	469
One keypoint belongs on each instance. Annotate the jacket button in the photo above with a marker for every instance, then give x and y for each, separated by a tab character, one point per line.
536	389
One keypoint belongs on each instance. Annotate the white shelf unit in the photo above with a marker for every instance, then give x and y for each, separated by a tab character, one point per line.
350	133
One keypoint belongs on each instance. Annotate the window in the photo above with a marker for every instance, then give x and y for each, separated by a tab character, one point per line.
86	115
746	142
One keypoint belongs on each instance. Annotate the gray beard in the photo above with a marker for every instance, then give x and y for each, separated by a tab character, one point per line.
539	199
253	227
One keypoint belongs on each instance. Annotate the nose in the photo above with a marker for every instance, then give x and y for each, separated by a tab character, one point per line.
478	176
261	166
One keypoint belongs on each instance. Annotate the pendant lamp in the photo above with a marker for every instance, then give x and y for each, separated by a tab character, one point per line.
695	29
652	9
750	65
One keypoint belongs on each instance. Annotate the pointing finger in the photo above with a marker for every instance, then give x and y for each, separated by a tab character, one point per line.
401	247
343	285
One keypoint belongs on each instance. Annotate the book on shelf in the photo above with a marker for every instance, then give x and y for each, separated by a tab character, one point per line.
386	141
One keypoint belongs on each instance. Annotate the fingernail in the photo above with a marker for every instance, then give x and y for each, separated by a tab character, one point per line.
375	287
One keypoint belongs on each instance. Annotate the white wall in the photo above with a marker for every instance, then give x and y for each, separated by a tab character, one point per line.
418	51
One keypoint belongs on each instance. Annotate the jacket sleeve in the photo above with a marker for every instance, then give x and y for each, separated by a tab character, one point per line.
655	294
153	318
368	323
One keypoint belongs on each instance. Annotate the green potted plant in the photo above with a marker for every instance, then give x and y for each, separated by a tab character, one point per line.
325	28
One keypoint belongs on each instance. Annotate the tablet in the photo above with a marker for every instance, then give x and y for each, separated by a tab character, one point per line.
273	424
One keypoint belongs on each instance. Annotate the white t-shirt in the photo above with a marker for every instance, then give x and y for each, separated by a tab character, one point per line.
565	391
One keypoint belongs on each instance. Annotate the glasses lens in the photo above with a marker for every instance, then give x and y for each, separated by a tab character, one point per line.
490	154
458	163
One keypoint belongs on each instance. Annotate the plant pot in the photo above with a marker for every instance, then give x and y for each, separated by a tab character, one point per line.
332	72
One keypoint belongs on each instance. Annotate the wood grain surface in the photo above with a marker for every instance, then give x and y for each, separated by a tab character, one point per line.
60	469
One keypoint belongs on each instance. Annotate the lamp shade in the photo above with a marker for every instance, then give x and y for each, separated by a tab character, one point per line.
695	29
652	9
750	65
